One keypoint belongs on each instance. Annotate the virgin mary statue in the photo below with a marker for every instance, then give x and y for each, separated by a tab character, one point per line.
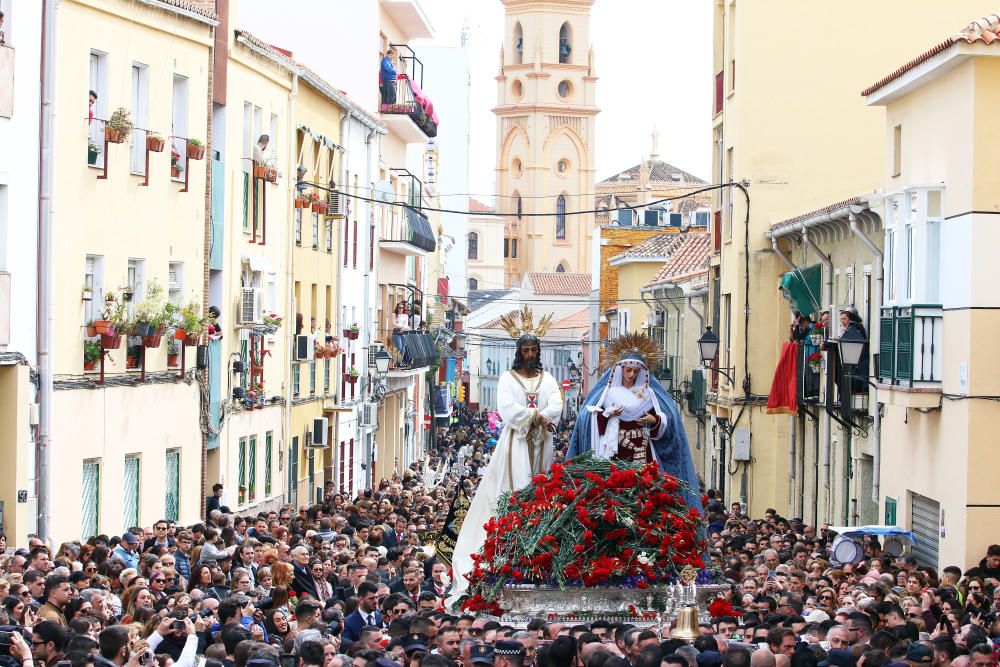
629	416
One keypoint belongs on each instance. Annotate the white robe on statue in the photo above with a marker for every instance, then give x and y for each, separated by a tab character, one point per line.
511	466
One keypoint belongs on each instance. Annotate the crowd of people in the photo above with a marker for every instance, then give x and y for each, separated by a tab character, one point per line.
350	583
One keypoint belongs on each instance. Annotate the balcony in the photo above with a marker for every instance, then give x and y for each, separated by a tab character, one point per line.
807	375
404	106
412	350
405	231
910	347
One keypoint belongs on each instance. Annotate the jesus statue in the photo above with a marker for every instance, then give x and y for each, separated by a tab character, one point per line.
529	402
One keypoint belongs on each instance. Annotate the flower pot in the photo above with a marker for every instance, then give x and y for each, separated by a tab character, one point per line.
191	339
152	340
111	341
195	152
329	354
89	365
175	171
102	326
155	144
114	135
259	171
91	157
180	334
301	203
352	379
91	330
271	175
132	363
816	339
319	207
173	360
347	333
354	335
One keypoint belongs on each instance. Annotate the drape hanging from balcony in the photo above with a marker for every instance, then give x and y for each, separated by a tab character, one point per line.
782	398
801	287
421	234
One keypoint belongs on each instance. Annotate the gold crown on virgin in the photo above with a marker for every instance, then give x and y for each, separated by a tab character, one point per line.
632	345
521	322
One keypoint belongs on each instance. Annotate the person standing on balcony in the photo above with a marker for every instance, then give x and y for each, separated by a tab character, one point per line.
387	77
258	150
400	323
92	96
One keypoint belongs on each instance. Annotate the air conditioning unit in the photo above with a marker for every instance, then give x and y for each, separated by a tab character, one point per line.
336	205
676	219
251	308
651	217
625	217
373	349
304	344
320	432
369	414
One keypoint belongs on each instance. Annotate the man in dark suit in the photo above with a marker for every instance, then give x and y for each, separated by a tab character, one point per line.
435	584
367	612
409	585
303	582
397	536
356	573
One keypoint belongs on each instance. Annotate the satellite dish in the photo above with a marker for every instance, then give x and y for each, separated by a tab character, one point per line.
845	550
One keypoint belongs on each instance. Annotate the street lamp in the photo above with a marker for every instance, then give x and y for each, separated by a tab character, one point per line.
708	347
574	373
382	359
851	349
851	346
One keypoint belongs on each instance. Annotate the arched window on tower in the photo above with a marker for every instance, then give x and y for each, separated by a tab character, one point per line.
473	245
561	217
473	284
565	43
518	44
560	269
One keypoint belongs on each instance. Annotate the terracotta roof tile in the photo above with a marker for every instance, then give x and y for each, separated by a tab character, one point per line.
279	54
659	171
569	284
690	258
200	7
985	30
495	323
476	206
853	201
658	247
578	320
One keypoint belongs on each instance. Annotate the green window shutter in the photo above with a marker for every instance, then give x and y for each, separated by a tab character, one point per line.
173	485
887	345
904	345
252	465
267	464
246	201
130	498
696	402
91	497
242	471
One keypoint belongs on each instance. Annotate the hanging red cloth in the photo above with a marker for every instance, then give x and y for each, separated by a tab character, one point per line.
782	398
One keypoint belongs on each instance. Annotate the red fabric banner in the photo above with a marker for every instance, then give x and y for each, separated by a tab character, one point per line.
782	399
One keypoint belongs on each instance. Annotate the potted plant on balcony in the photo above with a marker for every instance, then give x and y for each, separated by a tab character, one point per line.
259	170
352	375
152	315
271	323
354	331
175	163
132	357
270	170
817	334
114	320
815	361
173	353
93	150
91	354
119	127
191	324
155	143
318	205
302	201
319	349
195	149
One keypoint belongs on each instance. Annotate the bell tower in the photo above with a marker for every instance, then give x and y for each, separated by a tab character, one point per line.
546	115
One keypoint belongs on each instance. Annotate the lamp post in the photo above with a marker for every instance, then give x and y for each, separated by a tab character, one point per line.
574	377
708	348
851	349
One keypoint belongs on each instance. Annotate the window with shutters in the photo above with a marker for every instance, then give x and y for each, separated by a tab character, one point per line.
292	492
179	123
172	485
329	235
93	287
241	471
98	112
130	495
342	465
268	453
473	284
90	501
252	468
355	251
296	374
312	378
347	239
315	230
350	469
728	194
371	247
140	117
326	376
561	217
298	226
473	245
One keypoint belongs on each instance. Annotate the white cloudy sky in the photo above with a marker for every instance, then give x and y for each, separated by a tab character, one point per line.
654	60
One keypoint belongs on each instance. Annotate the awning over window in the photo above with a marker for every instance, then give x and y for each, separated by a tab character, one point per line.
802	288
419	349
421	234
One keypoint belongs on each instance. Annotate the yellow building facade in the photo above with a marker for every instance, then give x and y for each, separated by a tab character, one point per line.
934	375
769	103
126	442
546	113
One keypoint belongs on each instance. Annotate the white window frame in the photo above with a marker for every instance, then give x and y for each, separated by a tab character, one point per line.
179	120
94	269
140	117
248	140
99	84
135	278
175	283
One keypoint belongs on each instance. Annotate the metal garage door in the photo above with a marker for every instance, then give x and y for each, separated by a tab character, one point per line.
924	522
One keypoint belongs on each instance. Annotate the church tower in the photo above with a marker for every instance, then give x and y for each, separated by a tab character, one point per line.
546	115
